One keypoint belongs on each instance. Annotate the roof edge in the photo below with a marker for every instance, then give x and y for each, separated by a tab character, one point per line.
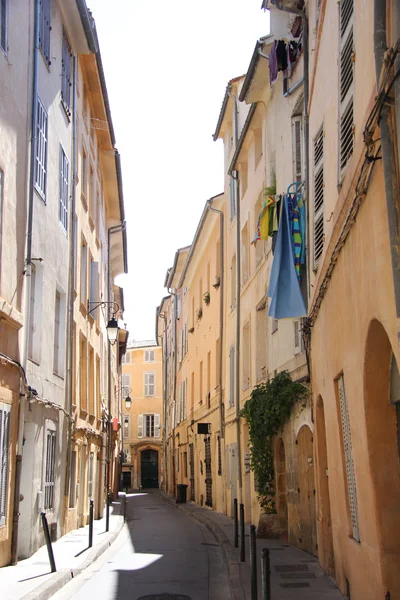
243	134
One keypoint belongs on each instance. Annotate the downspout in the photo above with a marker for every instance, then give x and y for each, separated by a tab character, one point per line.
28	272
388	153
72	271
238	289
173	294
165	365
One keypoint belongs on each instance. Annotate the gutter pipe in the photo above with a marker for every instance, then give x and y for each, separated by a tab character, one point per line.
165	371
28	274
238	314
174	312
288	92
388	152
72	271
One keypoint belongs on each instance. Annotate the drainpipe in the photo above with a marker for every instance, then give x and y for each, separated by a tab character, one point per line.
27	298
288	92
388	153
165	348
111	230
72	271
238	289
175	307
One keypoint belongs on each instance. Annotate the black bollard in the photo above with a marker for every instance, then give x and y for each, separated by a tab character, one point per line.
242	547
108	512
48	542
236	523
253	562
265	574
91	524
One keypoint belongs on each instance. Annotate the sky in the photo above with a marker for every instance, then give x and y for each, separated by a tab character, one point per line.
167	64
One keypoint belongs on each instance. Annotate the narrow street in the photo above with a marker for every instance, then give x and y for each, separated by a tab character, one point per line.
159	551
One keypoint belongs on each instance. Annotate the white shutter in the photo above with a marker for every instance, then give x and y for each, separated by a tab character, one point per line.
140	426
297	148
319	192
157	426
146	356
297	336
348	454
346	84
151	384
5	417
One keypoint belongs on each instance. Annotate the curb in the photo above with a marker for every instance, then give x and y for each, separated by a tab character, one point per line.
62	577
231	561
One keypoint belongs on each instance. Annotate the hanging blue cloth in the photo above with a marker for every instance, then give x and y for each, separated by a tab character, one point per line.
284	289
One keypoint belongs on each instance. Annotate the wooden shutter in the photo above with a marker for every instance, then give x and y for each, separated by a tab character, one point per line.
5	417
348	455
232	376
140	426
319	192
297	150
157	426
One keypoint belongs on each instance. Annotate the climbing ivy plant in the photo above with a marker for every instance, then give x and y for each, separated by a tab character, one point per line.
266	412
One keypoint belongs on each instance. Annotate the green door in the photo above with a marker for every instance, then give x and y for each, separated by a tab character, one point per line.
149	464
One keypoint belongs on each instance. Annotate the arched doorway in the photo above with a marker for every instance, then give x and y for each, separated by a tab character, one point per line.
306	490
382	417
281	499
149	469
325	542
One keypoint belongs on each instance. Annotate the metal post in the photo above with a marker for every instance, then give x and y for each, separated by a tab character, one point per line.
91	524
108	511
242	549
265	575
236	523
253	562
48	542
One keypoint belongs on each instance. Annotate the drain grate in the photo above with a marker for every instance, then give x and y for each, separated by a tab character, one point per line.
290	568
165	597
287	586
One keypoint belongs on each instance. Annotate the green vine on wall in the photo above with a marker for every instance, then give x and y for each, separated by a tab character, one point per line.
266	412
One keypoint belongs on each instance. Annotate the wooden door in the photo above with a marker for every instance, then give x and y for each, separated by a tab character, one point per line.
306	490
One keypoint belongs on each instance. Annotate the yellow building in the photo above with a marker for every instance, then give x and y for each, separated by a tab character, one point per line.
142	416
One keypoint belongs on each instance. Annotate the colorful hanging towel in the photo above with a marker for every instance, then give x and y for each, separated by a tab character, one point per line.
284	289
296	236
267	218
302	213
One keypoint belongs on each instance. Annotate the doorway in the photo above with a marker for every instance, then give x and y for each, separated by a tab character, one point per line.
306	490
281	489
149	469
126	480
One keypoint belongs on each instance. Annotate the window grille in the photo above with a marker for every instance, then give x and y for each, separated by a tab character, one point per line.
41	150
50	470
346	84
64	174
5	418
66	63
348	455
44	30
3	24
319	191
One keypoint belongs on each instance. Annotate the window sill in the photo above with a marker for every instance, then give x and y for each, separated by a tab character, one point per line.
41	195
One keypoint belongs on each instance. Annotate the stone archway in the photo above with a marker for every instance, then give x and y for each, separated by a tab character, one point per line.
281	497
324	531
382	420
306	491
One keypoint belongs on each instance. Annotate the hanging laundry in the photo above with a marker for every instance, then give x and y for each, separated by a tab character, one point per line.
296	237
284	289
273	64
281	55
267	218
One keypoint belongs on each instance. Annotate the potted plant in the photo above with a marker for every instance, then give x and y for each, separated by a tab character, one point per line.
206	297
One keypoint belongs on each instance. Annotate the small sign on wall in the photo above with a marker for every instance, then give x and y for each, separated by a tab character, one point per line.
247	460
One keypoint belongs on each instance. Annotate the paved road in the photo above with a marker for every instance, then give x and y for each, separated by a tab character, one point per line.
159	551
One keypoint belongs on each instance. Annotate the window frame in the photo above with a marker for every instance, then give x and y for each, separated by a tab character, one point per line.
64	190
4	26
148	384
49	470
44	30
66	73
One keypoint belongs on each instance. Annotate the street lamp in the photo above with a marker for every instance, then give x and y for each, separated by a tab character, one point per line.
112	325
112	330
128	402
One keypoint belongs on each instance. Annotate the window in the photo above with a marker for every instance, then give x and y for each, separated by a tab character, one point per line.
297	148
50	470
98	390
126	358
83	372
185	339
5	418
297	330
126	383
35	311
64	174
94	287
83	272
149	355
90	475
44	30
84	175
66	78
59	334
201	293
232	197
72	482
246	356
92	195
208	379
41	151
233	282
319	192
219	455
149	384
232	376
217	363
3	24
149	426
245	254
208	278
346	84
348	457
261	342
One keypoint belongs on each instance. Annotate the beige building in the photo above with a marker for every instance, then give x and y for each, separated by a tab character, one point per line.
142	416
63	243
